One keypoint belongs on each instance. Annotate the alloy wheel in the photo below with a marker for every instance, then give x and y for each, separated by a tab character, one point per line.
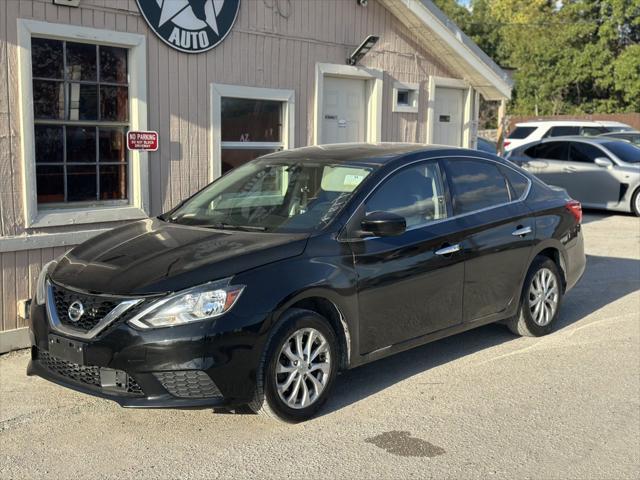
543	297
303	368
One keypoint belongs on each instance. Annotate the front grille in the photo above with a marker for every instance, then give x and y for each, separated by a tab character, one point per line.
95	308
188	384
89	375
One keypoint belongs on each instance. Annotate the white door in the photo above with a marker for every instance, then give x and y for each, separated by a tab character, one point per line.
343	110
448	121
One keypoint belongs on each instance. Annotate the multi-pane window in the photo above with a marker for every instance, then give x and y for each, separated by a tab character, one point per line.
250	128
81	116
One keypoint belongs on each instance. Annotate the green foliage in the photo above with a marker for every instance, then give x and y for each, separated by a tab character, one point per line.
569	56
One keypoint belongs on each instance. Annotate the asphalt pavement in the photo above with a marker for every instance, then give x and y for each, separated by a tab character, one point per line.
483	404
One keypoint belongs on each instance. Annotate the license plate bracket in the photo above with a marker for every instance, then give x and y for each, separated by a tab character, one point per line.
67	349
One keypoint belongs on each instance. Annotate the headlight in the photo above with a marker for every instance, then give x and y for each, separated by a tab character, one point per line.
196	304
41	288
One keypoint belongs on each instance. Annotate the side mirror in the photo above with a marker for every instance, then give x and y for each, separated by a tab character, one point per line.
383	224
603	162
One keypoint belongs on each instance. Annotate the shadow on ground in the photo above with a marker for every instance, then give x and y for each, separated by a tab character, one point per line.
606	279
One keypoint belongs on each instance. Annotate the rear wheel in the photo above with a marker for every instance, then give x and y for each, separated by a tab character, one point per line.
298	368
540	300
635	203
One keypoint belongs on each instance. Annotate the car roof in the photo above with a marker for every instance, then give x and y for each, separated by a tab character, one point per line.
363	153
559	123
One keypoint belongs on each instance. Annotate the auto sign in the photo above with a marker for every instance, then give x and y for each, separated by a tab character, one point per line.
191	26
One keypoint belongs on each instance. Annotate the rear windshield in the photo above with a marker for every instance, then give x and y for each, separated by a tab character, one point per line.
624	151
521	132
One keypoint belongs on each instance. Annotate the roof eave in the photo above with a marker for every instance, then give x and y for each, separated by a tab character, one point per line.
461	54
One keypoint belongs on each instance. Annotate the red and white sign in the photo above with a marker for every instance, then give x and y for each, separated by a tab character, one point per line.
147	141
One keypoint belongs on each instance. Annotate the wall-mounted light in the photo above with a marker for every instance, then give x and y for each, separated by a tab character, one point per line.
362	50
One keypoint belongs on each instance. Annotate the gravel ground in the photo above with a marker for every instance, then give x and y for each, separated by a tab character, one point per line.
477	405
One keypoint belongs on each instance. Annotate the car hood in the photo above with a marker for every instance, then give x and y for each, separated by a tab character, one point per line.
152	256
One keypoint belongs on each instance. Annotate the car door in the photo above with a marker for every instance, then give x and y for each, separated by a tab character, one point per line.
408	285
548	161
588	182
497	230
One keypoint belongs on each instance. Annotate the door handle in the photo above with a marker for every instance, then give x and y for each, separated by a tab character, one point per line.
448	250
521	231
570	169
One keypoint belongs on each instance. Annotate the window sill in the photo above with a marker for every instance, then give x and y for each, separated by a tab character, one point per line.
404	109
61	217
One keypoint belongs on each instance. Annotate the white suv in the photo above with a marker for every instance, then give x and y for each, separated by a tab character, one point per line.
529	131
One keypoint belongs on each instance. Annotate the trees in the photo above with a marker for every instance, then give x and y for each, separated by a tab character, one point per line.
570	56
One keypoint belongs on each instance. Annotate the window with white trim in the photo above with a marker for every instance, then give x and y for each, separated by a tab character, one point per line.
248	122
405	97
81	116
249	128
80	90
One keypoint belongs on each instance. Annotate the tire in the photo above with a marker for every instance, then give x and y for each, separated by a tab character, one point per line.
531	320
268	401
635	203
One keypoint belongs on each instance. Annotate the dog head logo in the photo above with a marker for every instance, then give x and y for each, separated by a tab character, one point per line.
191	26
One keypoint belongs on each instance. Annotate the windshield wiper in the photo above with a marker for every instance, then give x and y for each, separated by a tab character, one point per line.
229	226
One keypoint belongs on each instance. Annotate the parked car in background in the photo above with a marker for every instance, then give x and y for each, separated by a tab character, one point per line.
529	131
629	136
261	287
485	145
600	172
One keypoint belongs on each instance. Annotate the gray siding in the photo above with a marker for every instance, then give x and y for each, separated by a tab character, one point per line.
265	49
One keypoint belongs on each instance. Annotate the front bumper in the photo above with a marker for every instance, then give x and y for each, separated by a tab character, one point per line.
207	364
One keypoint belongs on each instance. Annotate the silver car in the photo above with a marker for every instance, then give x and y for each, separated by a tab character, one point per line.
600	172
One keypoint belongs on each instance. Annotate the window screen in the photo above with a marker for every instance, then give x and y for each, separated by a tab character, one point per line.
475	185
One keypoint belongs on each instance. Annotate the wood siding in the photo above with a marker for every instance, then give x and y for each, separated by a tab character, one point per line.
273	45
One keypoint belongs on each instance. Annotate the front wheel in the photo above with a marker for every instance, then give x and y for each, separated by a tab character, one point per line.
540	300
298	368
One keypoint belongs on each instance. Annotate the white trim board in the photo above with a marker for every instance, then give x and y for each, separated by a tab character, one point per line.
219	90
138	206
373	95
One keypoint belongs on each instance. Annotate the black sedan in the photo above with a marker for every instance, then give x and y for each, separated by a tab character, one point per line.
260	288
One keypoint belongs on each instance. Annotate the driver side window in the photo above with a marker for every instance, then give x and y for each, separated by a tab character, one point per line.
415	193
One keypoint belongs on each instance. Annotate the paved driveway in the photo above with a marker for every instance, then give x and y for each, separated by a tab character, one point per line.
481	404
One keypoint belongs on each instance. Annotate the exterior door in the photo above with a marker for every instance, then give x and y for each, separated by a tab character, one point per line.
549	161
405	288
343	110
496	254
449	117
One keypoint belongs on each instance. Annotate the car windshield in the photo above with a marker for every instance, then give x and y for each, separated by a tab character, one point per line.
273	196
625	151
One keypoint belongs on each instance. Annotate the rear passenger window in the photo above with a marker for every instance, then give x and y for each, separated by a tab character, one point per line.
518	183
521	132
475	185
563	131
549	151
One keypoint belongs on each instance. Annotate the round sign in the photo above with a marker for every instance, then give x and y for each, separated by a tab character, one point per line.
191	26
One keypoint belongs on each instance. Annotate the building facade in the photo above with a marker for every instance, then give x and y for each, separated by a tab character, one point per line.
76	75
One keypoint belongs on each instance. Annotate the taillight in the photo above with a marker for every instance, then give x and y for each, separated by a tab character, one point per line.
506	143
575	208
